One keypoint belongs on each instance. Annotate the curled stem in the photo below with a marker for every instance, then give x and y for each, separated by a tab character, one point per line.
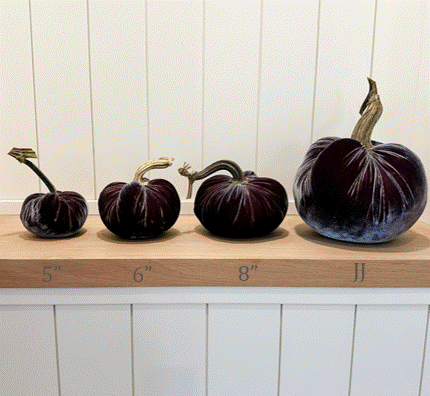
21	154
370	111
161	163
230	166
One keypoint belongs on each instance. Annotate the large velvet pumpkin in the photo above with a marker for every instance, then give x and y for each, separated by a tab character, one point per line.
357	190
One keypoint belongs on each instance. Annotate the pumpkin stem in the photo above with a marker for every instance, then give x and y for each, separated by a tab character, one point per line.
21	154
370	111
161	163
230	166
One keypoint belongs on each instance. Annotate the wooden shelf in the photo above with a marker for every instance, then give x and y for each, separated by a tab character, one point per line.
187	255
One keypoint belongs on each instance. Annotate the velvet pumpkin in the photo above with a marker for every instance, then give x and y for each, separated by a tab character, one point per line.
358	190
142	208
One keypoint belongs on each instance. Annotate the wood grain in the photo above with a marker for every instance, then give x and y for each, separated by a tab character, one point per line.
187	255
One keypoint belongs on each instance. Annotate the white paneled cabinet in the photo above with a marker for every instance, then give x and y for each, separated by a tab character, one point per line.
94	349
243	350
425	379
28	358
316	349
214	349
169	349
388	350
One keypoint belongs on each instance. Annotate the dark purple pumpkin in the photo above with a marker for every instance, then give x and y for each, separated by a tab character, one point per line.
239	206
358	190
55	214
140	209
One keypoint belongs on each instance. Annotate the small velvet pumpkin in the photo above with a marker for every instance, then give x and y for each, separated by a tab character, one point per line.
142	208
55	214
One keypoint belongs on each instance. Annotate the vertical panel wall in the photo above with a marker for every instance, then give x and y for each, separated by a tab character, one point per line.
399	46
422	109
62	92
117	33
17	113
402	68
98	86
289	41
231	59
344	63
175	78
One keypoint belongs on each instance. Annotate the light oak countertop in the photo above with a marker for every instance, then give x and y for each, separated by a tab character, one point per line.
188	255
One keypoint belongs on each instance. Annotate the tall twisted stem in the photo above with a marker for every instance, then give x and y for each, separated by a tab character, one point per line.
370	111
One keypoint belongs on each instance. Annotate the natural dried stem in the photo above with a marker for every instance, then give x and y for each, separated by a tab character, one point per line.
370	111
161	163
230	166
21	154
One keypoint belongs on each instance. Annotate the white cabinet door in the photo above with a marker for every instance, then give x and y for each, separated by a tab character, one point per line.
28	361
94	350
388	350
316	349
243	349
169	344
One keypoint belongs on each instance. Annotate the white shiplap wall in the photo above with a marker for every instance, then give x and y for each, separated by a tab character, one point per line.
97	87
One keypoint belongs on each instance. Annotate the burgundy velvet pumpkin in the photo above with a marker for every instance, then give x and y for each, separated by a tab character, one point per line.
140	209
55	214
239	206
358	190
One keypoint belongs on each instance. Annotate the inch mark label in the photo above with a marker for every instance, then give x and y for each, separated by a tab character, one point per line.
48	274
138	275
357	265
244	272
